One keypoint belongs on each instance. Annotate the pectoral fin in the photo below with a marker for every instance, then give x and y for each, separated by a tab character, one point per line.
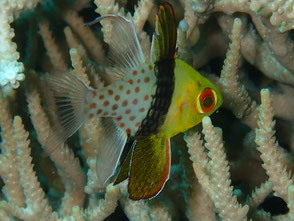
150	167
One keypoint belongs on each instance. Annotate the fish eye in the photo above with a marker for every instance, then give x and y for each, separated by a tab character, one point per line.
206	100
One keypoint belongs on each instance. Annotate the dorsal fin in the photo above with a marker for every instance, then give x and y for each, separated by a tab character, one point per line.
165	33
125	52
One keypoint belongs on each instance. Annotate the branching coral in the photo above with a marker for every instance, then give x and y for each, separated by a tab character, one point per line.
11	71
240	166
212	168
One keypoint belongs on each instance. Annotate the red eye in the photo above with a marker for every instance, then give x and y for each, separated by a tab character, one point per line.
206	101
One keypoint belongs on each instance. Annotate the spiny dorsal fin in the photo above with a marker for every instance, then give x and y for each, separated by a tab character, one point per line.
166	32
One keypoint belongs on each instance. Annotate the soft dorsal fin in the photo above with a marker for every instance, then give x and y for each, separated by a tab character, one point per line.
125	52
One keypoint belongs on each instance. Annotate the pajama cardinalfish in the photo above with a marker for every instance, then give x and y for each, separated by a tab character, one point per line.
150	102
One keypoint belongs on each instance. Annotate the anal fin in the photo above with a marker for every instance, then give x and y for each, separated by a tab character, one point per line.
111	145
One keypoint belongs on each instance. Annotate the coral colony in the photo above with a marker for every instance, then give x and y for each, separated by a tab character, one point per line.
235	165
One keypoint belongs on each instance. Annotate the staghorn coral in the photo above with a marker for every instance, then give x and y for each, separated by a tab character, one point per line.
225	181
11	71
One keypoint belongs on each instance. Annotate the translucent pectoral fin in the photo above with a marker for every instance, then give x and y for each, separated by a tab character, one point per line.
150	167
111	145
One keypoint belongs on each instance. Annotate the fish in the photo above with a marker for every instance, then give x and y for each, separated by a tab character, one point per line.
150	102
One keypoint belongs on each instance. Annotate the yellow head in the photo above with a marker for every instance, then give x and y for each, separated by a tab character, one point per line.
194	97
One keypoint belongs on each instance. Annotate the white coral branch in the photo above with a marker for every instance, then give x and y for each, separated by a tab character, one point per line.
37	206
269	148
68	166
214	174
11	71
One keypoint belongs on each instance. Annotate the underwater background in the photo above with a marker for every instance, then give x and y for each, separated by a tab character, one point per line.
236	165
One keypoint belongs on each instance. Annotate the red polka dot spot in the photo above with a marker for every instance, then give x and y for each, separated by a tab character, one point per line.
114	107
146	97
105	103
150	67
121	87
117	97
105	113
101	97
119	118
128	130
142	109
93	105
128	111
132	118
143	70
139	80
94	93
99	111
128	92
113	114
91	115
124	103
137	124
110	92
131	81
137	89
135	72
146	79
135	101
122	124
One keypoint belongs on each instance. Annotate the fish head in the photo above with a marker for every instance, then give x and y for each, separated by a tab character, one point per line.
194	98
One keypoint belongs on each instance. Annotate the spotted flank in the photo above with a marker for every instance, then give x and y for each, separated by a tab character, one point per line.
148	103
127	101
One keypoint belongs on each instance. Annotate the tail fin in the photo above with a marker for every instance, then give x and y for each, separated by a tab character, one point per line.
67	97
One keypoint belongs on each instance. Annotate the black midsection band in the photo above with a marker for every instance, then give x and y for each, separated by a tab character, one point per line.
161	100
